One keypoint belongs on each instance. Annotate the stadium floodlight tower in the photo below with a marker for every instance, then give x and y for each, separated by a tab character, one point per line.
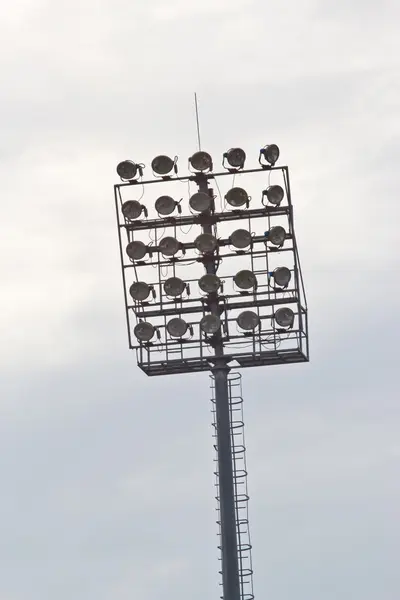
208	288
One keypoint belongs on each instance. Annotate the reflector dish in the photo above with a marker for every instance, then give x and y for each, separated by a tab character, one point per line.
127	169
139	291
276	235
282	276
144	331
131	209
174	286
236	157
206	243
162	165
209	283
237	197
275	194
200	202
165	205
284	317
169	246
271	153
210	324
241	238
245	279
201	161
136	250
248	320
177	327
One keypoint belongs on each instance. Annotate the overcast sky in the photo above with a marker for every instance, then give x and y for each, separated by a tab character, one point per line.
106	475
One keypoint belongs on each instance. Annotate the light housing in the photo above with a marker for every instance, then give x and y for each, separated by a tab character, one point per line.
241	238
200	202
282	276
174	286
275	194
177	327
210	324
132	209
162	165
206	243
245	279
276	235
136	250
248	320
169	246
270	154
128	170
144	331
237	196
209	283
236	158
201	161
165	205
140	291
284	317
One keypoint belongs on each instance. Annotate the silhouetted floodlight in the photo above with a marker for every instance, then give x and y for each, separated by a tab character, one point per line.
284	317
248	320
169	246
275	194
144	331
128	170
132	209
139	291
206	243
245	279
282	276
270	154
200	202
174	286
162	165
136	250
237	196
177	327
165	205
201	161
276	235
241	238
209	283
210	324
235	157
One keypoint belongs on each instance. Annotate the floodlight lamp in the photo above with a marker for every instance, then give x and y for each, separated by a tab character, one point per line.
276	235
165	205
241	238
174	286
132	209
248	320
169	246
274	194
209	283
201	161
245	280
128	170
144	331
284	317
139	291
270	154
162	165
177	327
282	276
200	202
237	196
206	243
210	324
136	250
236	157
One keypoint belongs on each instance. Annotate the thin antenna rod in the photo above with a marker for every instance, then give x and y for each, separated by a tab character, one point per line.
197	120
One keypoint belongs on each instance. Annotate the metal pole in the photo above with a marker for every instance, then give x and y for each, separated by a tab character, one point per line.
230	567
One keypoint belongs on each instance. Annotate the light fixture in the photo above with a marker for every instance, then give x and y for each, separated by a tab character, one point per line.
165	205
282	276
248	320
200	202
136	250
177	327
237	196
201	161
206	243
144	331
128	170
235	157
132	209
284	317
270	154
245	279
210	324
209	283
162	165
276	235
174	286
139	291
274	194
241	238
169	246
